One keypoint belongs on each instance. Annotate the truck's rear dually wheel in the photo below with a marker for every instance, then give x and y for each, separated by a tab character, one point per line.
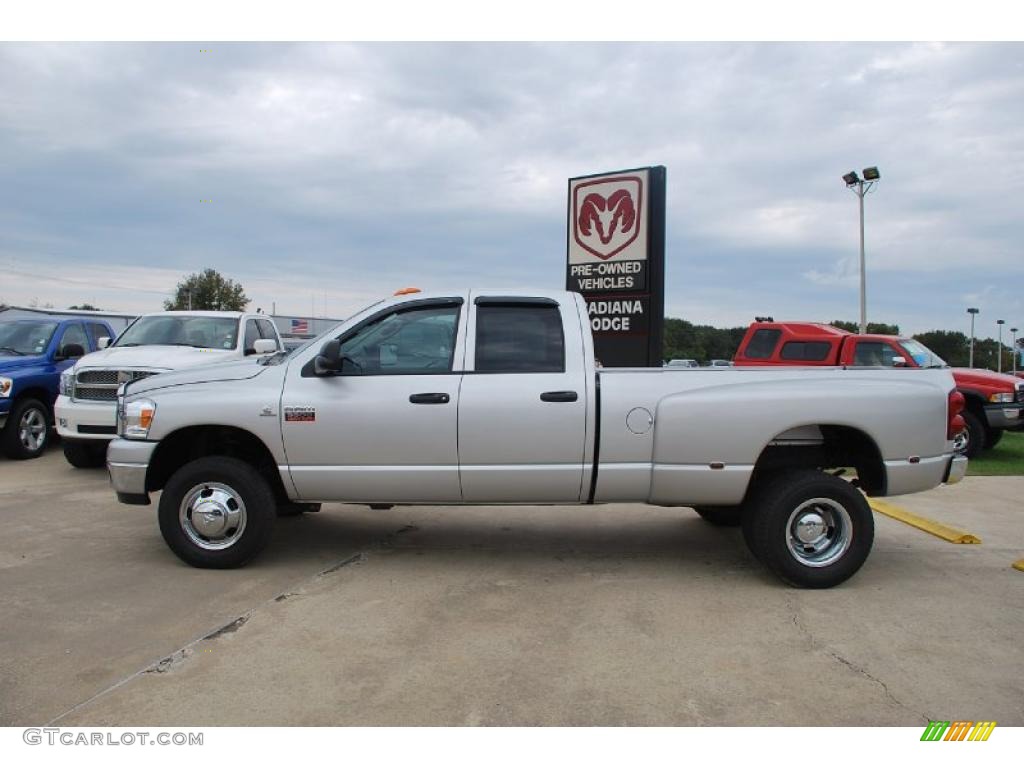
217	512
811	529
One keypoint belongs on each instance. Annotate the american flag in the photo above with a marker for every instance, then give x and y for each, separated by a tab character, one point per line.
300	326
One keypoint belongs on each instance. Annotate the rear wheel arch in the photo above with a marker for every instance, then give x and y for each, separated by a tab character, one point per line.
841	446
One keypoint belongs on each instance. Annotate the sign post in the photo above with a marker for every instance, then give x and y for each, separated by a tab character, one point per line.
616	259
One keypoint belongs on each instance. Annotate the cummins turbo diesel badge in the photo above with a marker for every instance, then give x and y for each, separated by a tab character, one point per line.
299	413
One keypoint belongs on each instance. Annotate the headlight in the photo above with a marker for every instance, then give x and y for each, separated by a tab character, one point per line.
135	418
67	383
1002	397
6	385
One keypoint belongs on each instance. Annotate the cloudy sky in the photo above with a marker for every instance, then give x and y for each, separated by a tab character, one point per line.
340	172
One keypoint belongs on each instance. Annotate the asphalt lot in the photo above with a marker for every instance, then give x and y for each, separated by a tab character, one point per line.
622	614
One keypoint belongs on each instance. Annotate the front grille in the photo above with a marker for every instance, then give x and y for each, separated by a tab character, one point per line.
1020	393
108	378
101	384
95	393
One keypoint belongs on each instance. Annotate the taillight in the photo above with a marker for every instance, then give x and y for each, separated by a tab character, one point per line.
954	421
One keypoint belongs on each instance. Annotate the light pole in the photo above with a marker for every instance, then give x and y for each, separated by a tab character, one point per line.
1000	361
1013	348
861	187
972	311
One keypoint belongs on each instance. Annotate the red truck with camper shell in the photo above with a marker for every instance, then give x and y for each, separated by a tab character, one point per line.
993	402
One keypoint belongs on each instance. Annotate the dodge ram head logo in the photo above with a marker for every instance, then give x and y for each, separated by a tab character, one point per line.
607	214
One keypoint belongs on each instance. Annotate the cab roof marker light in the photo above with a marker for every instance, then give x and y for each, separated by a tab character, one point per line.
406	291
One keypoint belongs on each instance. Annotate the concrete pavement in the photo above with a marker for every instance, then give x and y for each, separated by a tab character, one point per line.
622	614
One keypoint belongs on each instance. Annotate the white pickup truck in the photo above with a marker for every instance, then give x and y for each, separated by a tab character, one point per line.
483	397
85	410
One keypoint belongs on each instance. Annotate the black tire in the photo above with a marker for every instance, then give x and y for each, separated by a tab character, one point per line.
726	517
85	455
33	413
994	436
976	435
245	484
769	525
295	508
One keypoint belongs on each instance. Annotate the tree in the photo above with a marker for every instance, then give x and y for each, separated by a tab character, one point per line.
208	290
951	346
685	340
87	306
884	329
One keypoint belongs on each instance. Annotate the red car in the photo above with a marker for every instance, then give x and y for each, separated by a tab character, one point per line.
994	402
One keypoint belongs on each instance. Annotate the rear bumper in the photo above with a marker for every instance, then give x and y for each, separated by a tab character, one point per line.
80	420
1004	415
127	464
956	470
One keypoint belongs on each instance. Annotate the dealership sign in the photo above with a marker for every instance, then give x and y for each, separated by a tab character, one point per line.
616	250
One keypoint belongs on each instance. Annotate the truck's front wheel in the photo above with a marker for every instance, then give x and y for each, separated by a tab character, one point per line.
217	512
27	432
811	529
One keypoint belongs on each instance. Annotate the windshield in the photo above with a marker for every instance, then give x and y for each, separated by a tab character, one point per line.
181	331
923	356
25	338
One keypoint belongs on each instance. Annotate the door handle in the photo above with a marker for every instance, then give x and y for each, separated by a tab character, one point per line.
428	398
565	396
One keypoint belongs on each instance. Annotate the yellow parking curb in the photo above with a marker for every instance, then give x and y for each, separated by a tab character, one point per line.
1019	565
923	523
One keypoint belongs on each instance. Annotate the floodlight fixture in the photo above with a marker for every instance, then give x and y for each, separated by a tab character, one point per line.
861	187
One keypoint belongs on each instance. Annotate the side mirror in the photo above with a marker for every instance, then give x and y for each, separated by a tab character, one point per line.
69	351
328	362
898	361
264	346
102	342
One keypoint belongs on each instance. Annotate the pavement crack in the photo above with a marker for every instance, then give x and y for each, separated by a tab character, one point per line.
167	663
227	629
818	645
361	557
180	656
355	559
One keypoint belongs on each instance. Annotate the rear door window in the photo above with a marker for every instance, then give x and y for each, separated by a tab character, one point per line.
74	334
519	339
98	332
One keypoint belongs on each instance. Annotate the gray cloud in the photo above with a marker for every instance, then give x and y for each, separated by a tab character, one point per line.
356	169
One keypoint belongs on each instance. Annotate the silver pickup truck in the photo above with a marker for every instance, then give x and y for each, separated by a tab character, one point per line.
495	398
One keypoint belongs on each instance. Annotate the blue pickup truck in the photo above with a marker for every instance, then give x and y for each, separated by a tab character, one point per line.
33	353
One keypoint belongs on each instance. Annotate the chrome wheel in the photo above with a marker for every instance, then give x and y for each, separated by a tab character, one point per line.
212	515
32	429
961	441
819	532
